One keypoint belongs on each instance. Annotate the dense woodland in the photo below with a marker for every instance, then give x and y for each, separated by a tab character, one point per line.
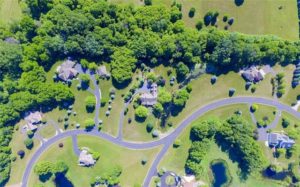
123	36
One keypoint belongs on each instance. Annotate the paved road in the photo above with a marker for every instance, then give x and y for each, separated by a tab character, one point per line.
166	141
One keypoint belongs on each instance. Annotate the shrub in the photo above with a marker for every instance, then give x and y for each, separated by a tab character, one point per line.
213	79
141	112
21	153
28	143
231	92
44	169
225	18
148	2
285	122
95	154
155	133
230	21
90	103
254	107
92	66
84	63
192	12
144	161
30	134
89	124
253	88
104	101
177	143
149	127
189	88
199	25
238	2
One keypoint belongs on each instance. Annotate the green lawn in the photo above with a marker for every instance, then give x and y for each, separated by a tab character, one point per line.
19	165
263	112
278	17
10	11
110	155
175	158
47	131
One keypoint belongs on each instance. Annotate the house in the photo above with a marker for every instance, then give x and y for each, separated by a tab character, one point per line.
280	140
102	72
86	159
149	98
253	74
32	120
66	70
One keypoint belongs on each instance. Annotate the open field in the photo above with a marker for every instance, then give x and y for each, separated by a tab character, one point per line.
110	155
175	158
10	11
252	17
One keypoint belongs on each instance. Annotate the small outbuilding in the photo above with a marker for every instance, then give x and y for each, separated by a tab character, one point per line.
253	74
66	70
280	140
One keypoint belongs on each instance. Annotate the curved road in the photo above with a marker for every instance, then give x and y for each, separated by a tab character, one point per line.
166	141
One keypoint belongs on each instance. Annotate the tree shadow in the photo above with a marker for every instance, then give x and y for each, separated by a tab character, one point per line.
239	2
62	181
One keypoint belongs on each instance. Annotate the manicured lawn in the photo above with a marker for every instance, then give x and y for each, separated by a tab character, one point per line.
110	155
19	165
175	158
264	112
47	131
10	11
253	17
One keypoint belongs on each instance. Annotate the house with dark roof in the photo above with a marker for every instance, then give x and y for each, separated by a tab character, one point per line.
32	120
66	70
253	74
280	140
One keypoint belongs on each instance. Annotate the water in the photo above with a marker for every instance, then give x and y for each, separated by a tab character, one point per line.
219	171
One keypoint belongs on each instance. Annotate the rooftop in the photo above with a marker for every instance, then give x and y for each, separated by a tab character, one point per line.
66	70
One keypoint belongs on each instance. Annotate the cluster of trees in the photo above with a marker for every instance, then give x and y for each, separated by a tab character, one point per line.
46	169
280	84
109	178
125	37
233	135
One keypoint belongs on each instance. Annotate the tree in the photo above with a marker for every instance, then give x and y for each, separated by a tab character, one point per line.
148	2
141	112
149	127
254	107
28	143
164	97
44	169
199	25
21	153
90	103
181	97
158	109
182	70
60	168
192	12
85	80
285	122
89	124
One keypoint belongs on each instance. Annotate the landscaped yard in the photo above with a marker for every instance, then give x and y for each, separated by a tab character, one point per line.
17	143
10	11
252	17
265	113
111	155
175	158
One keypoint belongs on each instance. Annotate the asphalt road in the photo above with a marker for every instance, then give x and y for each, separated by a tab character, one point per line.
166	141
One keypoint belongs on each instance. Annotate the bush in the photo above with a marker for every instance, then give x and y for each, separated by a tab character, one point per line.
141	112
104	101
225	18
254	107
230	21
89	124
177	143
285	122
192	12
189	88
149	127
253	88
231	92
21	153
84	63
213	79
148	2
28	143
30	134
44	169
85	81
155	133
199	25
90	103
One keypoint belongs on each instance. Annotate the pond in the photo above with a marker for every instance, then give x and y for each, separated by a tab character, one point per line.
220	173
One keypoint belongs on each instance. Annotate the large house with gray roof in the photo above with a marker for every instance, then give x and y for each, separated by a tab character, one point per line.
66	70
280	140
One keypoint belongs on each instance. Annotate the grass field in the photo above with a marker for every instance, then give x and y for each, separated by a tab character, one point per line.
263	112
278	17
175	158
111	155
10	11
